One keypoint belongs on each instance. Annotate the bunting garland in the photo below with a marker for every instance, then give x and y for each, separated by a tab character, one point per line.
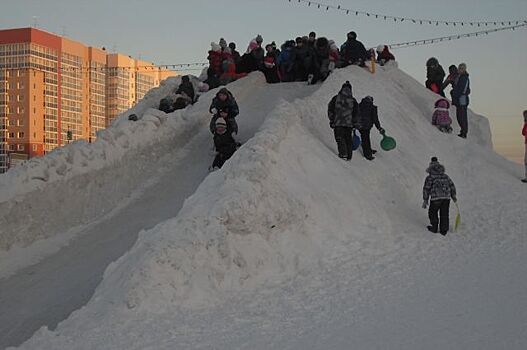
454	37
420	21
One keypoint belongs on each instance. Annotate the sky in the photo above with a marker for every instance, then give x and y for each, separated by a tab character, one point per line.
170	32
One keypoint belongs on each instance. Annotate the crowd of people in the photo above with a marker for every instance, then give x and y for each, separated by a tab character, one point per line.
306	58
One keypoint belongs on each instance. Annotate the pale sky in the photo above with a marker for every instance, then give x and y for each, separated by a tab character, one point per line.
178	31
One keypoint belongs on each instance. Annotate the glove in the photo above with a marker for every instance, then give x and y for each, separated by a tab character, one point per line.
382	131
332	125
214	111
425	204
454	199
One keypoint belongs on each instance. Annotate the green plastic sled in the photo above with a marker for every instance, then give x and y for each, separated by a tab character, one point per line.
388	143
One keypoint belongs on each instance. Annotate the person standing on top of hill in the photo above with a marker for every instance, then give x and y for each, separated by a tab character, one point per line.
434	76
451	79
460	99
524	133
186	88
353	51
343	118
439	188
384	55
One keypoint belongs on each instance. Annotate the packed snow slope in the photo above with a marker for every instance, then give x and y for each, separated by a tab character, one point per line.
289	247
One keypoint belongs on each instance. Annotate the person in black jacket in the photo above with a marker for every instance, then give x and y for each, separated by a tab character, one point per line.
434	76
186	88
320	61
368	117
353	51
343	118
460	93
303	57
223	142
224	100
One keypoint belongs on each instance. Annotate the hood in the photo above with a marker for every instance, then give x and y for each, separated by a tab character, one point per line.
435	168
442	103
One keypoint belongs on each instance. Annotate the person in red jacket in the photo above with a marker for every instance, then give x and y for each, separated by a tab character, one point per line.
524	133
384	55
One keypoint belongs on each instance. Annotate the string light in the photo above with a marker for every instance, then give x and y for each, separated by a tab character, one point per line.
454	37
402	19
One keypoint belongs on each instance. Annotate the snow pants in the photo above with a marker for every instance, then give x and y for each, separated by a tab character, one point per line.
442	206
462	119
366	143
344	138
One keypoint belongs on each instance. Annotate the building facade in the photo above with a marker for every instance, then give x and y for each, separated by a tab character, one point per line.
54	90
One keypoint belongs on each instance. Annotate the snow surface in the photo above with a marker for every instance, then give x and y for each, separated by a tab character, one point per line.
289	247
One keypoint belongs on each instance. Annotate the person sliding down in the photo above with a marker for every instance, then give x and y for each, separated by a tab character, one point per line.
224	100
224	144
368	118
343	118
441	117
439	188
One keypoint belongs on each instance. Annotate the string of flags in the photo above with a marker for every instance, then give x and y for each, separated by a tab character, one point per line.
87	69
399	19
454	37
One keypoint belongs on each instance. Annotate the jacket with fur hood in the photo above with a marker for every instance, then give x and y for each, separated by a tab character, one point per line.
438	185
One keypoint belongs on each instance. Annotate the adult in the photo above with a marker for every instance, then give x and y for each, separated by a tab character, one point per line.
343	117
303	58
215	58
434	76
460	99
353	51
270	65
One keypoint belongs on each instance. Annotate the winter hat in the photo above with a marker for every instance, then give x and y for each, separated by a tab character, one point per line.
435	167
380	48
442	103
298	40
185	79
220	125
352	35
215	47
223	43
232	46
432	61
132	117
369	98
346	85
227	51
252	45
452	69
273	44
525	116
259	39
312	35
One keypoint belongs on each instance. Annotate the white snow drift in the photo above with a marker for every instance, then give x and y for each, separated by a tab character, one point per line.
290	247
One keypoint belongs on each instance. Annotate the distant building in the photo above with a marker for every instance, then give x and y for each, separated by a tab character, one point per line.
54	90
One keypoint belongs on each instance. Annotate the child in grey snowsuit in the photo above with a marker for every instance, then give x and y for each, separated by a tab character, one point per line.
439	188
343	118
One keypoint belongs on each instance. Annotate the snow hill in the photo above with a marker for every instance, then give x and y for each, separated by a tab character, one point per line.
287	246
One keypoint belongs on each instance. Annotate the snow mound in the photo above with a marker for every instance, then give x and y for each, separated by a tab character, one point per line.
120	161
283	205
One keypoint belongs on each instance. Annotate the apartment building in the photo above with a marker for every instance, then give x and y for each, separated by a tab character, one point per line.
54	90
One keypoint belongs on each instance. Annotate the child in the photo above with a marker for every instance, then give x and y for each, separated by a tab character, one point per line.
439	188
524	133
368	117
441	117
224	144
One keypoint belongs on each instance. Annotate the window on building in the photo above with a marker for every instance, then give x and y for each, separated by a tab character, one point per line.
20	147
20	135
20	98
20	122
35	148
11	147
11	135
